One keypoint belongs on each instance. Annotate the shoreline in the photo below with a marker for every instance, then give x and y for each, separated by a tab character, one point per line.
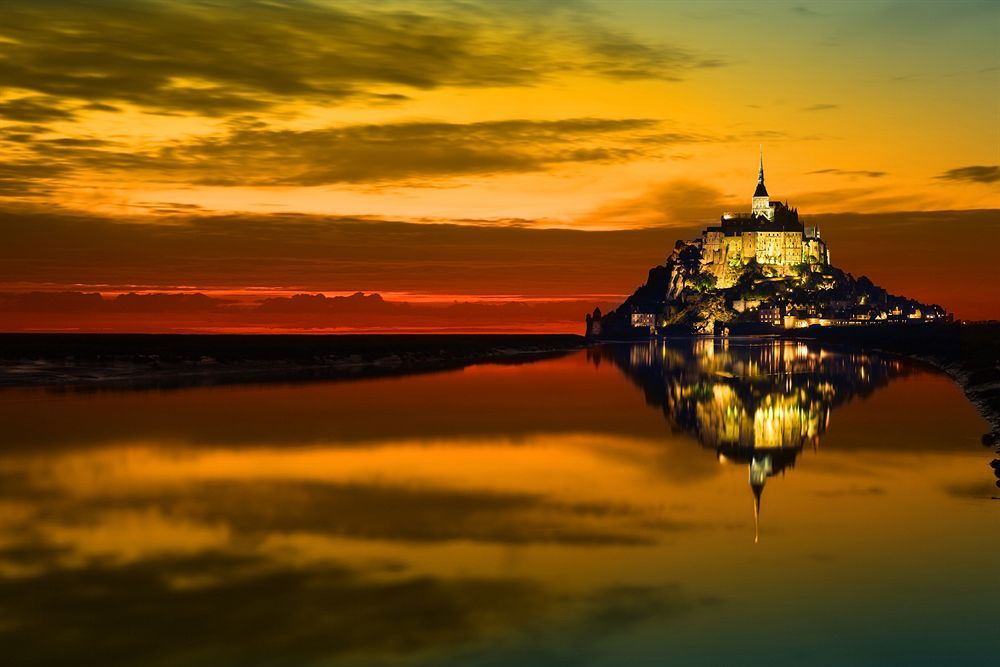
81	362
968	353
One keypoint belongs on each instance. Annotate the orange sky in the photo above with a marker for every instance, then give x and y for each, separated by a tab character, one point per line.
434	152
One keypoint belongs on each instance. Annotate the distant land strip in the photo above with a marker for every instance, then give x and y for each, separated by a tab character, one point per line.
161	361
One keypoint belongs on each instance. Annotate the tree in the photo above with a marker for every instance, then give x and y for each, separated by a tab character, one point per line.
703	282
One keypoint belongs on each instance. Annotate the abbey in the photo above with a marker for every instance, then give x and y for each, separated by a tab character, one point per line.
769	234
754	272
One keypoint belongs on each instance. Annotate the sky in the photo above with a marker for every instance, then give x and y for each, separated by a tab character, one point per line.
194	165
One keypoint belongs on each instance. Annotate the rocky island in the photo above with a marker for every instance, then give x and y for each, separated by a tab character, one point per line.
756	272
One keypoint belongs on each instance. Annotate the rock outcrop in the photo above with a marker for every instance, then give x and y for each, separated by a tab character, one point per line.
680	296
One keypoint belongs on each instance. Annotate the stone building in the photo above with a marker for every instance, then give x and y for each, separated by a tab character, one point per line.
770	234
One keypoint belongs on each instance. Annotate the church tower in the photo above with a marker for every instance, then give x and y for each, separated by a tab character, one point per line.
761	202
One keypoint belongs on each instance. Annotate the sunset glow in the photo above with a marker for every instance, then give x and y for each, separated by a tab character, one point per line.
480	166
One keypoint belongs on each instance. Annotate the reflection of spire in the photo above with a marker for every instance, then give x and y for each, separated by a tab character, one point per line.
752	404
759	470
756	512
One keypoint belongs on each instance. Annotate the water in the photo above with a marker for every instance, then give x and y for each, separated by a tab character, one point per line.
596	509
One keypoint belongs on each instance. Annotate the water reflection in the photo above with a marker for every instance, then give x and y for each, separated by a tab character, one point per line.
755	402
532	515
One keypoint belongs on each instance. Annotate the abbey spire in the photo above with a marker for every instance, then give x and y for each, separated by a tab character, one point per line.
760	172
761	202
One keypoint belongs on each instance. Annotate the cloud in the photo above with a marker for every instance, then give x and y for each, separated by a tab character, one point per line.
858	240
851	172
319	253
973	174
395	151
677	203
216	59
29	178
821	107
980	490
310	254
251	153
34	109
89	311
806	11
83	302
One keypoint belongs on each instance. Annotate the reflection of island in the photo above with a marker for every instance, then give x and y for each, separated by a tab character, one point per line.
755	403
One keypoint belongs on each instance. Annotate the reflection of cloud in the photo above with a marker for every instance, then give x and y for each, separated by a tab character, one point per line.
239	610
199	515
973	174
236	608
975	490
620	608
852	491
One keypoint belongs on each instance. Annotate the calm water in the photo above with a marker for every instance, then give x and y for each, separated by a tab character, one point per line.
597	509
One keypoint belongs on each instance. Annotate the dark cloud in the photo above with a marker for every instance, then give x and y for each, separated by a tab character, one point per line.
973	174
984	490
21	134
806	11
678	203
620	608
851	491
821	107
81	302
858	241
40	311
321	253
251	153
301	253
239	608
391	152
36	109
859	197
246	611
851	172
29	178
215	59
417	514
168	207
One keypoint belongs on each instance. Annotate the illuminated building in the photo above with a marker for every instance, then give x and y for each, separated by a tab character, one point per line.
769	234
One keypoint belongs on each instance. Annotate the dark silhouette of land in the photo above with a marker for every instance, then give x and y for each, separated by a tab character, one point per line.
175	360
968	352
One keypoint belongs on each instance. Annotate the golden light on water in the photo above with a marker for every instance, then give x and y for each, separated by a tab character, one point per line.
555	493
